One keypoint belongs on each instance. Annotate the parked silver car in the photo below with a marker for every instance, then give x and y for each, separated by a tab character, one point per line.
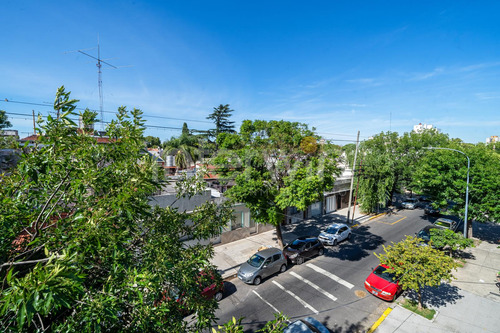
335	233
261	265
410	203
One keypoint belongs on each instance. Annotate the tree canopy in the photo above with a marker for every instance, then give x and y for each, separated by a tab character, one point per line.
275	165
4	120
416	266
220	116
81	249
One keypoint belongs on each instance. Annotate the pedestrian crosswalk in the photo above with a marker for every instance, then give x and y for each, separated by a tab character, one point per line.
301	292
330	275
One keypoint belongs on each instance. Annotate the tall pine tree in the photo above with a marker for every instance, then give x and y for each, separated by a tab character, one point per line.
220	117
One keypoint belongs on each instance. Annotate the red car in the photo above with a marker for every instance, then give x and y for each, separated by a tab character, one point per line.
383	284
211	286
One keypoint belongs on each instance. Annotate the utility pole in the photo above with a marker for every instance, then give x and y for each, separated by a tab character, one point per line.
34	127
352	180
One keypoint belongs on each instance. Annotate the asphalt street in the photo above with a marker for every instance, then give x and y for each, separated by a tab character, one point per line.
329	287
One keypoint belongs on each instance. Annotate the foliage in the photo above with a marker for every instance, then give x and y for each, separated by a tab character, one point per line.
271	171
447	239
186	144
388	162
417	266
152	141
233	326
277	325
442	174
4	120
220	116
81	249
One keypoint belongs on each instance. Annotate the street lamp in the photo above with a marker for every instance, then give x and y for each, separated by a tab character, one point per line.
467	189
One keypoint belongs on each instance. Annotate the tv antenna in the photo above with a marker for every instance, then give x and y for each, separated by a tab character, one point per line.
99	64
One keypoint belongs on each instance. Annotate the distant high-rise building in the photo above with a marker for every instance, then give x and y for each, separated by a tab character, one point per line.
422	127
492	139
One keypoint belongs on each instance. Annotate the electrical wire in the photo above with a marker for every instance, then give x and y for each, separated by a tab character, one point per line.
104	111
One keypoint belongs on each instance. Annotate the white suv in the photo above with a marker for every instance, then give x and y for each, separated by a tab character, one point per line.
335	233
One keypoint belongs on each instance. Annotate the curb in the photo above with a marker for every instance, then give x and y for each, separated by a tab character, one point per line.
380	320
374	217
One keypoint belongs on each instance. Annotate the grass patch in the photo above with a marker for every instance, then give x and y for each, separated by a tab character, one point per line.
413	306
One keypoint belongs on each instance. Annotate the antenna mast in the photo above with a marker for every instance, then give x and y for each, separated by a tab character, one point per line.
99	77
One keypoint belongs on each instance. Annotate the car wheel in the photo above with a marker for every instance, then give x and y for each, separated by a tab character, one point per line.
257	280
283	268
218	296
348	236
334	242
321	251
300	260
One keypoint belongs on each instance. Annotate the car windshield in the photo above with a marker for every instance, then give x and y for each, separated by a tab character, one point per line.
256	260
332	230
296	245
444	224
382	272
424	235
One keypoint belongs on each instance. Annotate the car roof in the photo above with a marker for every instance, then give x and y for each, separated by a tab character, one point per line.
429	227
337	225
269	252
305	238
300	326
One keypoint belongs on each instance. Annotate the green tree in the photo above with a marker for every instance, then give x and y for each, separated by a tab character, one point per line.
4	120
152	141
388	164
442	174
448	240
417	266
271	171
186	144
220	116
81	249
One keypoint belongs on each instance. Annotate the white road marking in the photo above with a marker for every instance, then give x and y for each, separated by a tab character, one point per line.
275	310
331	276
301	301
324	292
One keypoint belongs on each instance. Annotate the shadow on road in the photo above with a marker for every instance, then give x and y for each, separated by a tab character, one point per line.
229	288
361	245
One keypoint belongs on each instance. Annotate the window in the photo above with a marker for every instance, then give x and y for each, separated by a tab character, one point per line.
276	257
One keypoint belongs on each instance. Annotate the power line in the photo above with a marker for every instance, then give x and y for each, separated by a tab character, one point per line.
104	122
113	112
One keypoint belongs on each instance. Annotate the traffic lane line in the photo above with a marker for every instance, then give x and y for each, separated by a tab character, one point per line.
272	306
318	288
330	275
300	300
401	219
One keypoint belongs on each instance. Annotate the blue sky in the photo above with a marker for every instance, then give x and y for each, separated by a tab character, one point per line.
338	66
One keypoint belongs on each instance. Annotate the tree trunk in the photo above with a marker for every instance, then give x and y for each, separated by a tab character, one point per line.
279	235
419	293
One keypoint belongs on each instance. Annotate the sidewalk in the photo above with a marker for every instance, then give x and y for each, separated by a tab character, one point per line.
471	303
228	257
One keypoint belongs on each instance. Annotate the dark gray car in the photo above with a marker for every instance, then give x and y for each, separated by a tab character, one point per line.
261	265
